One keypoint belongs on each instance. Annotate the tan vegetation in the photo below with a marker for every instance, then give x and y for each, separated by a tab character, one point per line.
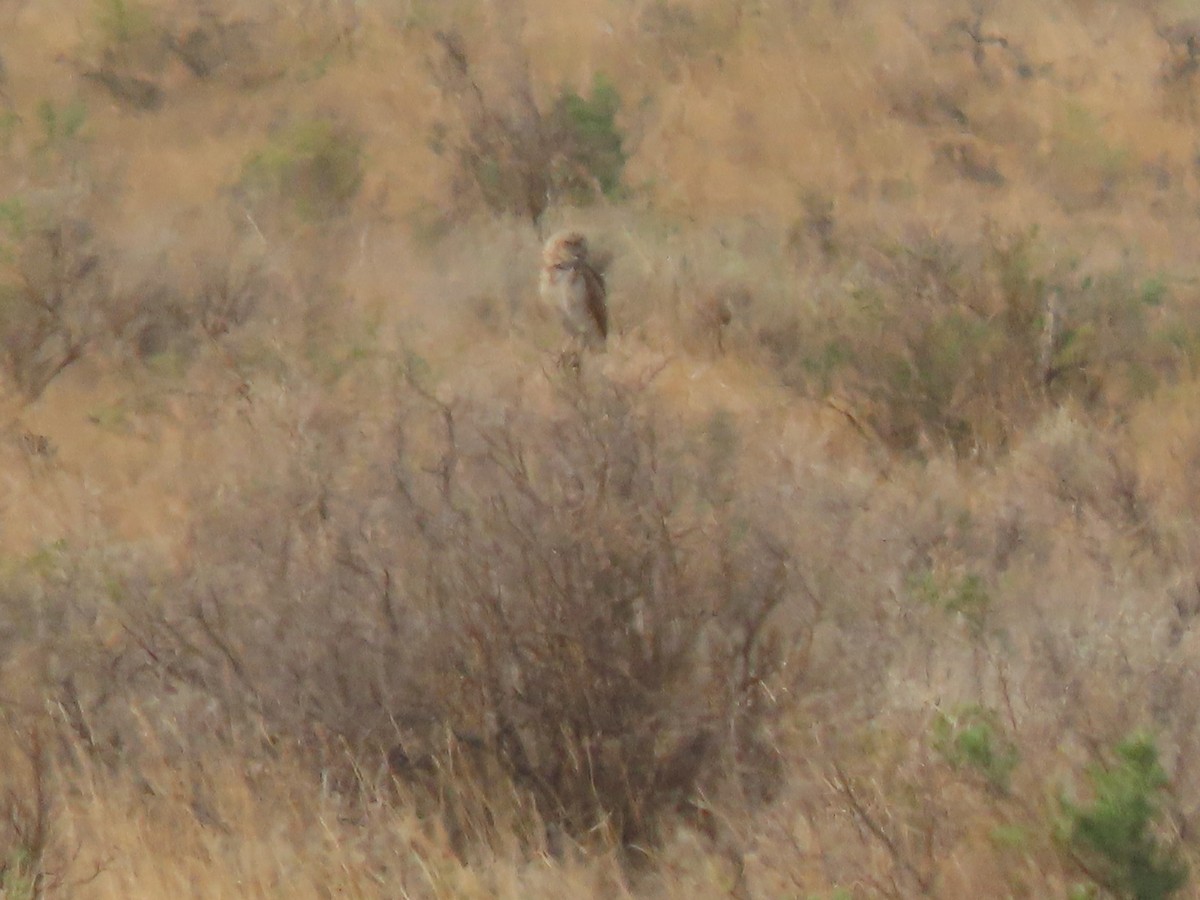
862	563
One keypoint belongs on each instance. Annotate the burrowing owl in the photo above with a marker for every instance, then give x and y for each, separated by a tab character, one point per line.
576	286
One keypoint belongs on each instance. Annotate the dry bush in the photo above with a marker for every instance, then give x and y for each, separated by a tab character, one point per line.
185	287
938	341
26	816
547	596
68	293
127	53
610	643
129	45
967	342
680	36
52	303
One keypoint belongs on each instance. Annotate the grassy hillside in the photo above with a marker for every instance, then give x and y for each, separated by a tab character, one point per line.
861	563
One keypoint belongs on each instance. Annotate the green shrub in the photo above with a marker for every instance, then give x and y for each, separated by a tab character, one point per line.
12	228
1084	166
8	127
967	597
315	167
943	342
1113	838
971	737
122	23
593	147
519	157
965	344
60	126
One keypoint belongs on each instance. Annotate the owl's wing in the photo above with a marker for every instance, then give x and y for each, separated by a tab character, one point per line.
595	293
600	260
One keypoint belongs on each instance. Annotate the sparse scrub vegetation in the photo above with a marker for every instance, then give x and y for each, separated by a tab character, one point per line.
519	156
578	639
860	562
51	305
311	168
25	830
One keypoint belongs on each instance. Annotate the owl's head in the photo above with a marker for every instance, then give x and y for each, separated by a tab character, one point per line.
564	250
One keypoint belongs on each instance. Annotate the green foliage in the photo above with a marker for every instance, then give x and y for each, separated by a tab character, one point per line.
60	126
1120	339
8	127
1085	166
121	22
721	454
1113	837
964	345
967	597
1013	837
971	737
12	217
1154	290
314	166
20	876
946	341
517	156
593	144
12	227
830	358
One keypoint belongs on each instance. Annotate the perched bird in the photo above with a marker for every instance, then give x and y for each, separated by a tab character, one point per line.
575	285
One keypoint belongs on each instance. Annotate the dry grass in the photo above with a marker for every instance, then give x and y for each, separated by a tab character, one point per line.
863	546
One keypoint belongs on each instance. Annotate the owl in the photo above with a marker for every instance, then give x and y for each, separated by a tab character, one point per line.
575	285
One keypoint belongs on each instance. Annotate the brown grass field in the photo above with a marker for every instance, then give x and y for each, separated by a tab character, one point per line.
863	562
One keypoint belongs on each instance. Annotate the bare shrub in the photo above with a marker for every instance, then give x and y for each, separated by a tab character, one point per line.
609	646
679	36
219	46
199	287
65	292
1181	62
546	592
50	306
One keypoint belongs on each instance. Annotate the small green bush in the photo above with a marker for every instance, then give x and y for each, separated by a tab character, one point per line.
1113	837
122	23
971	737
517	156
12	228
594	147
943	341
946	344
60	126
1084	166
315	167
9	121
967	597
